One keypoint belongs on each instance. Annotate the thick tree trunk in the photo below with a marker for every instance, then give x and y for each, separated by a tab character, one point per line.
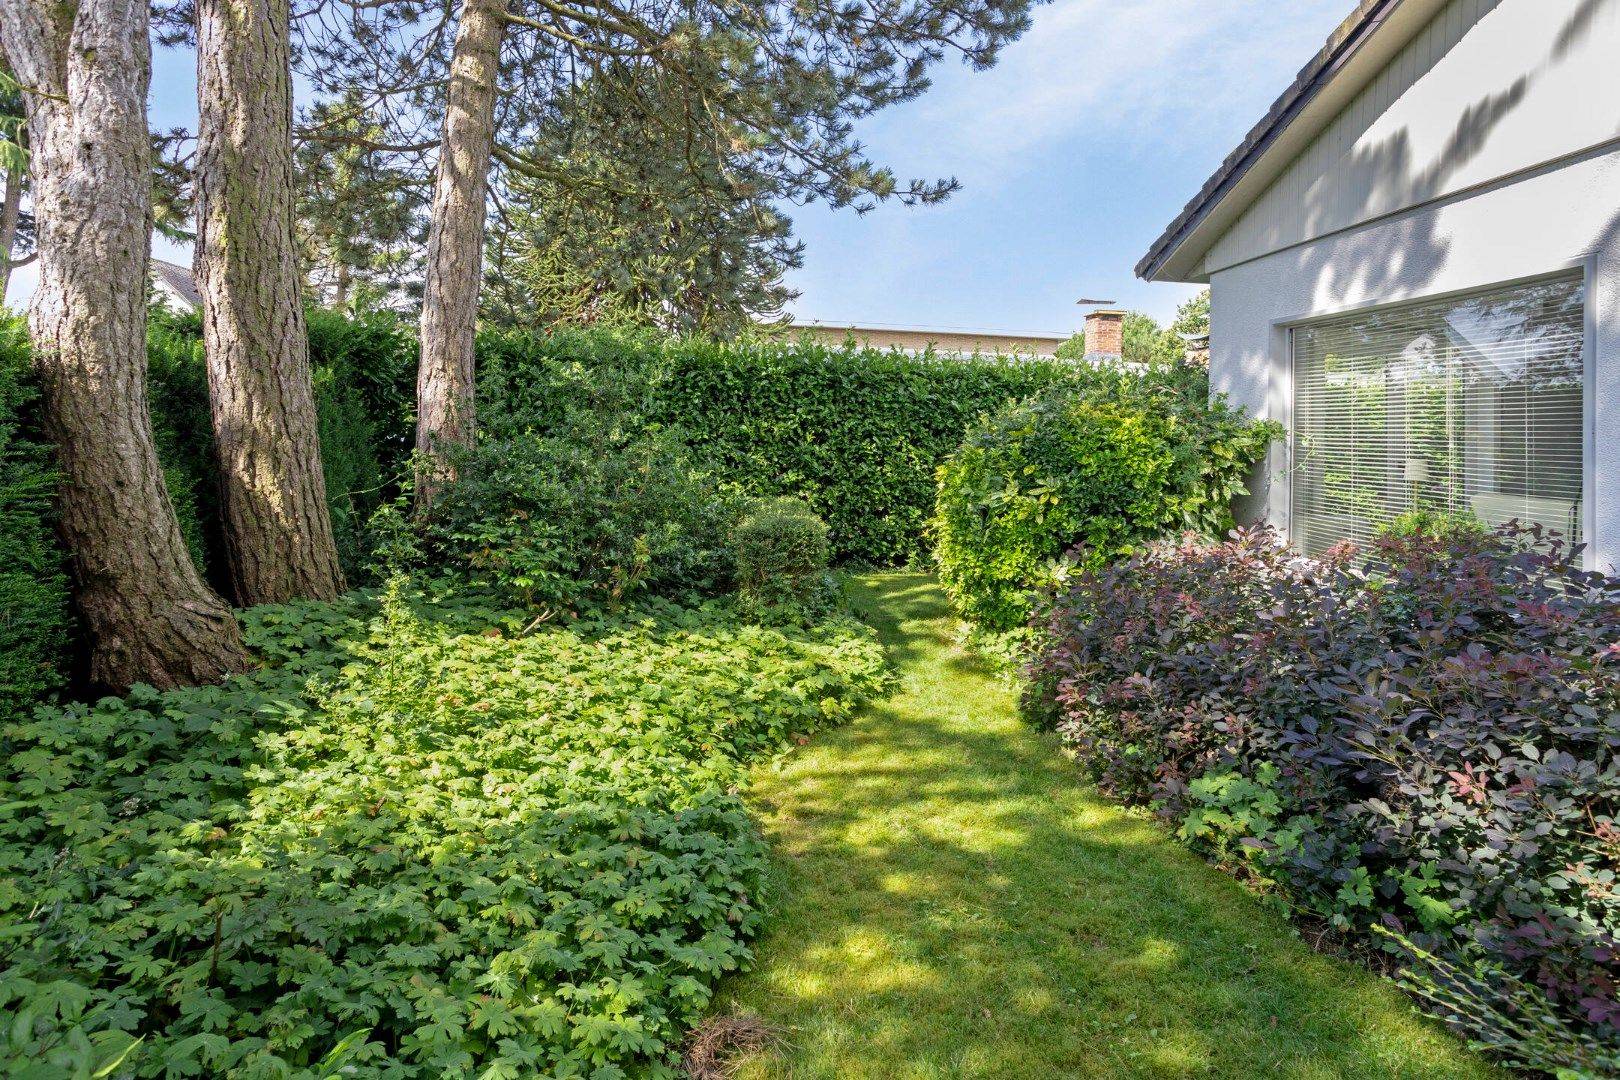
444	378
10	212
273	514
87	66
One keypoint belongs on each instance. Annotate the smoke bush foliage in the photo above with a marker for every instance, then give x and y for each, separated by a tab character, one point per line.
1426	743
418	843
1104	461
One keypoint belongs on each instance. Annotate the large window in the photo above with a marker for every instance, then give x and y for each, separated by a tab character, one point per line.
1469	405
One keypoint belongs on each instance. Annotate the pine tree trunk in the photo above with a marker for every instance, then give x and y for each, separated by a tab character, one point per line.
273	514
340	287
444	379
10	212
88	66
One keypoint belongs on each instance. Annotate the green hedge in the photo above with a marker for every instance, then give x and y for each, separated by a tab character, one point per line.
364	372
33	590
854	432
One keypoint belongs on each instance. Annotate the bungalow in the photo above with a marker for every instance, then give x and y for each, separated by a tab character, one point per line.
1414	261
957	341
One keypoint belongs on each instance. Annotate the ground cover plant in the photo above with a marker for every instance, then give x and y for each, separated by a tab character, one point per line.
421	841
953	904
1422	740
1104	462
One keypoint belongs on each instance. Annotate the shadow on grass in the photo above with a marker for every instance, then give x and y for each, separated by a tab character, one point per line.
952	900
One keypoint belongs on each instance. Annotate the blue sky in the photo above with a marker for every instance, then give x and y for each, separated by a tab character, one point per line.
1074	152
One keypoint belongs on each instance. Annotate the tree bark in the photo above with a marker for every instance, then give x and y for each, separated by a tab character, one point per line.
10	212
273	514
455	254
87	67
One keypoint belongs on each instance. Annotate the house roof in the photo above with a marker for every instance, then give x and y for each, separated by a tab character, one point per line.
944	339
177	279
1352	55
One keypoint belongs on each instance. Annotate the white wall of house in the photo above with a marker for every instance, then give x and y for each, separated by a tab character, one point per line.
1488	152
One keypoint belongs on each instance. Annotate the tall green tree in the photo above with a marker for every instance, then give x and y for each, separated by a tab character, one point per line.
633	227
360	219
781	83
1192	317
272	489
85	66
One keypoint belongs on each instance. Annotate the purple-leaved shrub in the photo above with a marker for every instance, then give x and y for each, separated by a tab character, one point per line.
1421	738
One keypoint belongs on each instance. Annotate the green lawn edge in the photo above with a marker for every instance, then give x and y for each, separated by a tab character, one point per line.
951	899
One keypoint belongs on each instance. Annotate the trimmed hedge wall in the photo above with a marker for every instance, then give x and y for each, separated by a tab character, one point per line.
856	433
364	373
33	588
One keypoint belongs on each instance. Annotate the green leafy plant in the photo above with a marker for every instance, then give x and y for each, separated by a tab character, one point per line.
1435	524
1098	468
33	588
856	433
363	372
419	842
587	510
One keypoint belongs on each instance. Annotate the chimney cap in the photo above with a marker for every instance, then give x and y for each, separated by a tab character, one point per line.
1108	311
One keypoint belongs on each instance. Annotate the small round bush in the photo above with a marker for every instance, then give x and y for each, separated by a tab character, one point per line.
1100	468
781	547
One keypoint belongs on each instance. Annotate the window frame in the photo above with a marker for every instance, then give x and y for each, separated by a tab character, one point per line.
1282	396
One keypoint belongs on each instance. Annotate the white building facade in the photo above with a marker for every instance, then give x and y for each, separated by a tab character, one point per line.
1415	267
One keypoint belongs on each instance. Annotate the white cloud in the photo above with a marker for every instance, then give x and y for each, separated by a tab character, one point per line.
1153	72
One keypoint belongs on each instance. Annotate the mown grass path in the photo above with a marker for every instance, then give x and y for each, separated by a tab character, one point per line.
953	901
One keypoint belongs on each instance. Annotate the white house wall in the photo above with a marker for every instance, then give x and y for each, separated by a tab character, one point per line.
1488	89
1558	218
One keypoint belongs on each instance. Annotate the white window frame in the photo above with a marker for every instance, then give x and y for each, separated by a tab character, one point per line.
1280	393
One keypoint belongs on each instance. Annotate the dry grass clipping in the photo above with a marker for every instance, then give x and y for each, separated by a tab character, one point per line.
717	1045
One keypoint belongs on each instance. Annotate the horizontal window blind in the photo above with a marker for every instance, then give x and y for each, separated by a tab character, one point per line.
1471	405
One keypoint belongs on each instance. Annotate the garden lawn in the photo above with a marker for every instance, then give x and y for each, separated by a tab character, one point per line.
951	900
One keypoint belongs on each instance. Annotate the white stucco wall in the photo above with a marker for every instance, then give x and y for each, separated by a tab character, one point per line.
1560	216
1487	89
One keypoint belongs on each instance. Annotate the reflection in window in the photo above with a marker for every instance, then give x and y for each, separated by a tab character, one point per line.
1470	405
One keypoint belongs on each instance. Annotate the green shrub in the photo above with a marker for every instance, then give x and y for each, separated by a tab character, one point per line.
1421	744
420	844
1101	467
177	392
781	549
854	432
33	588
1435	525
595	507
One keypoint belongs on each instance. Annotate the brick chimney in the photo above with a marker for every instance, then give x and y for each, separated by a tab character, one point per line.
1105	336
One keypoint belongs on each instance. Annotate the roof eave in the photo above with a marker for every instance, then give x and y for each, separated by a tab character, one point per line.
1293	119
